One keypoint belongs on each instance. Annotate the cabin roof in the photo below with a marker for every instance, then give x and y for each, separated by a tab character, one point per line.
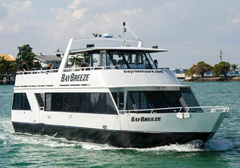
150	50
49	58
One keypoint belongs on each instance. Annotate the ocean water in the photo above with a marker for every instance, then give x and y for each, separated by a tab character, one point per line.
223	151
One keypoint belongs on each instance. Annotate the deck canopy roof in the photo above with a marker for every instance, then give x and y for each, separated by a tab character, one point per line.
149	50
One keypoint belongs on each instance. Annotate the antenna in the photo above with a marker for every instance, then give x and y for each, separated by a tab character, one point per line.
221	55
124	34
125	28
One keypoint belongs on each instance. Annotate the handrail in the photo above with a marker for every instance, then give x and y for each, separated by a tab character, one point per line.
211	109
89	68
66	70
37	72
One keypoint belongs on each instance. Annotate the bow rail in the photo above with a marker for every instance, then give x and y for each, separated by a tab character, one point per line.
210	109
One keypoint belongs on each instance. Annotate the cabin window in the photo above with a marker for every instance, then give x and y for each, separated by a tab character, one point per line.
136	60
39	97
118	59
149	61
95	60
48	102
100	103
122	59
20	102
131	59
189	98
148	100
161	99
119	99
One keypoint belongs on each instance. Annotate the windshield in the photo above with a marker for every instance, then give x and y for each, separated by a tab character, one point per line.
121	59
131	59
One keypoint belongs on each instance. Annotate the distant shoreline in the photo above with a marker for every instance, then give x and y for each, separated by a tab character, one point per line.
213	79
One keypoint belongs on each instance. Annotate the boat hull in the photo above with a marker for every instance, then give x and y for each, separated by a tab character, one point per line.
113	137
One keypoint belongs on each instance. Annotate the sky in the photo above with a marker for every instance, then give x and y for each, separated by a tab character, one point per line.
192	30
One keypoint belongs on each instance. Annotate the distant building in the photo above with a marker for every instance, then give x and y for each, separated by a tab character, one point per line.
44	60
8	57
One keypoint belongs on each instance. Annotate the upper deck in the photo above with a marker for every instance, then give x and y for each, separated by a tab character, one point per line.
92	65
105	77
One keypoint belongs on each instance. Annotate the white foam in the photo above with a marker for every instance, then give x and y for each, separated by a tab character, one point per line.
194	146
190	147
48	141
94	146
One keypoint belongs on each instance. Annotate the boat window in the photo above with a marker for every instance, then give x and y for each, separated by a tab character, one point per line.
160	99
118	60
48	102
100	103
39	97
78	60
95	59
147	100
189	98
119	99
131	59
135	60
109	61
101	59
149	60
20	102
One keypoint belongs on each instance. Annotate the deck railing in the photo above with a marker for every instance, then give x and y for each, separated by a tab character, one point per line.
66	70
89	68
37	72
211	109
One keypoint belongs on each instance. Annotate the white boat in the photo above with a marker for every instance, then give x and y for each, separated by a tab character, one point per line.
117	97
179	72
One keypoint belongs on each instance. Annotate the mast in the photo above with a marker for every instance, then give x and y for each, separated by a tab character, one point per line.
125	28
221	55
124	34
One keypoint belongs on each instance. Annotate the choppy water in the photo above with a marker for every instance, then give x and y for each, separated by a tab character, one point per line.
21	150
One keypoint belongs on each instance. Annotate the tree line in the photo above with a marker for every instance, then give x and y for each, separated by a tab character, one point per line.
25	54
222	68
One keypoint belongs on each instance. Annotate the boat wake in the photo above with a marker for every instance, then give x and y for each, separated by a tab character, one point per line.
52	142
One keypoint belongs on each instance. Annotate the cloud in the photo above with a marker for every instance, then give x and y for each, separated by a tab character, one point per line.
75	3
77	14
131	11
236	21
20	8
15	28
17	15
181	26
3	11
2	26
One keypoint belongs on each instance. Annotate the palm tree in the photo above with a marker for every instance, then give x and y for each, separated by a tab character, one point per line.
8	67
3	63
11	67
38	66
25	54
76	61
234	67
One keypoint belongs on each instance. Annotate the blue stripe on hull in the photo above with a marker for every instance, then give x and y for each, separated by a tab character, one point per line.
111	137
